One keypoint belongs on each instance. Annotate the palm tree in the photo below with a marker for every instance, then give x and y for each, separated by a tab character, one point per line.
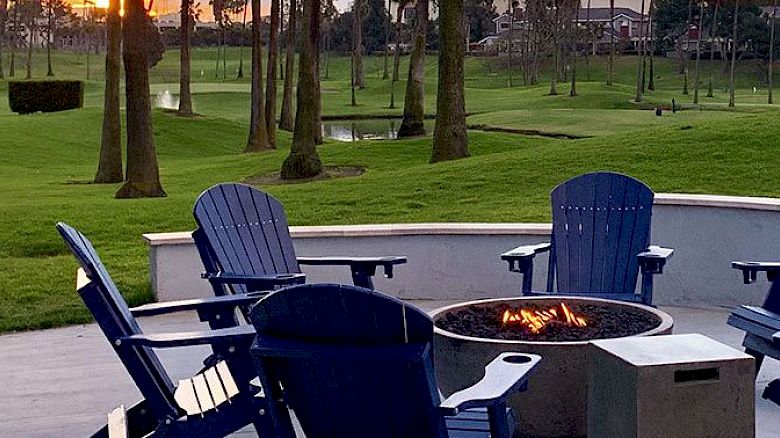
303	161
413	123
698	54
270	77
713	32
357	43
241	47
185	96
450	140
611	60
734	43
110	163
258	130
286	121
3	16
771	49
142	48
641	59
385	68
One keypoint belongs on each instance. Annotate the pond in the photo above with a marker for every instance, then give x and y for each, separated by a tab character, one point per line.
365	129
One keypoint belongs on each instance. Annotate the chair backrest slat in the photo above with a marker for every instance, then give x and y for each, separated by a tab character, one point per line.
244	231
381	395
110	311
601	221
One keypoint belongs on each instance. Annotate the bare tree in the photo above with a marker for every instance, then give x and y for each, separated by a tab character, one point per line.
258	132
185	96
110	164
651	49
357	43
142	48
573	47
413	123
286	121
270	78
556	51
397	54
450	139
303	161
592	35
30	11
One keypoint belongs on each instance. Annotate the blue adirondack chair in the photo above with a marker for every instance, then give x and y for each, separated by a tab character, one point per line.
215	402
245	244
761	324
600	240
354	362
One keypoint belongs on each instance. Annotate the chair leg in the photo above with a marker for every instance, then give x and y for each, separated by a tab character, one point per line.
759	358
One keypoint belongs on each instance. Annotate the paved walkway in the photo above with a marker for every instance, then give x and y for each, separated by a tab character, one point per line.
62	382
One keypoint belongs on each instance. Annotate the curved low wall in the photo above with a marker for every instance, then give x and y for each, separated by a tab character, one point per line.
459	261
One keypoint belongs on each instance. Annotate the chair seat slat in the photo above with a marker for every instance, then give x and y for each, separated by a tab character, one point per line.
202	392
185	397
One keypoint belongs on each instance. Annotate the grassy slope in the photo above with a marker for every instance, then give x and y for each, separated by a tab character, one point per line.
507	179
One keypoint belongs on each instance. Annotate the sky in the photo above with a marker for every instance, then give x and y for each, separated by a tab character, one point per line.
169	6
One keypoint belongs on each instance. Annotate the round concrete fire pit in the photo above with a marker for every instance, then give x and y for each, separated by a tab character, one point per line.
555	403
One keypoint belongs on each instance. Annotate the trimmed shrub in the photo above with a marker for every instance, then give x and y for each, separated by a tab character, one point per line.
27	97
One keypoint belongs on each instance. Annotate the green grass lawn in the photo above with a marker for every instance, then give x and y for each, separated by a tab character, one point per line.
47	158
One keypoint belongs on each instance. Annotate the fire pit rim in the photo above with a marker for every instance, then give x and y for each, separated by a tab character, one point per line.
666	320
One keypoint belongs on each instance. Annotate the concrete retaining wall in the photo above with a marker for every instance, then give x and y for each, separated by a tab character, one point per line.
460	260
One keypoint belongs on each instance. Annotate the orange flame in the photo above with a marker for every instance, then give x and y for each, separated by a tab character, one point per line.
535	321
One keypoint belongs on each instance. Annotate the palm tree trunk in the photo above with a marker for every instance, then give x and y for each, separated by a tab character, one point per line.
510	39
3	17
687	47
241	47
185	97
413	123
450	140
143	175
357	43
110	163
286	120
734	45
640	59
303	161
593	39
713	32
31	28
556	53
258	130
396	55
385	64
611	60
49	39
573	90
771	51
270	77
698	56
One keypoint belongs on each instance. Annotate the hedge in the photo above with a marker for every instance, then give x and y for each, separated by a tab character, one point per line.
27	97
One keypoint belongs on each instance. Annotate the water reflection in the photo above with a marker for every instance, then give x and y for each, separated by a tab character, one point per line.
364	129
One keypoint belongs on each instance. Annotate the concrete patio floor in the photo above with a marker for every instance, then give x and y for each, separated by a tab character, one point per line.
62	382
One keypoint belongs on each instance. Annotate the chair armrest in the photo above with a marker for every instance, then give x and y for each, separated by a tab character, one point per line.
750	270
506	373
226	302
520	259
258	282
238	334
369	264
652	260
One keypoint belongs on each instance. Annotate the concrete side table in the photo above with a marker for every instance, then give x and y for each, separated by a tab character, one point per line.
669	386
